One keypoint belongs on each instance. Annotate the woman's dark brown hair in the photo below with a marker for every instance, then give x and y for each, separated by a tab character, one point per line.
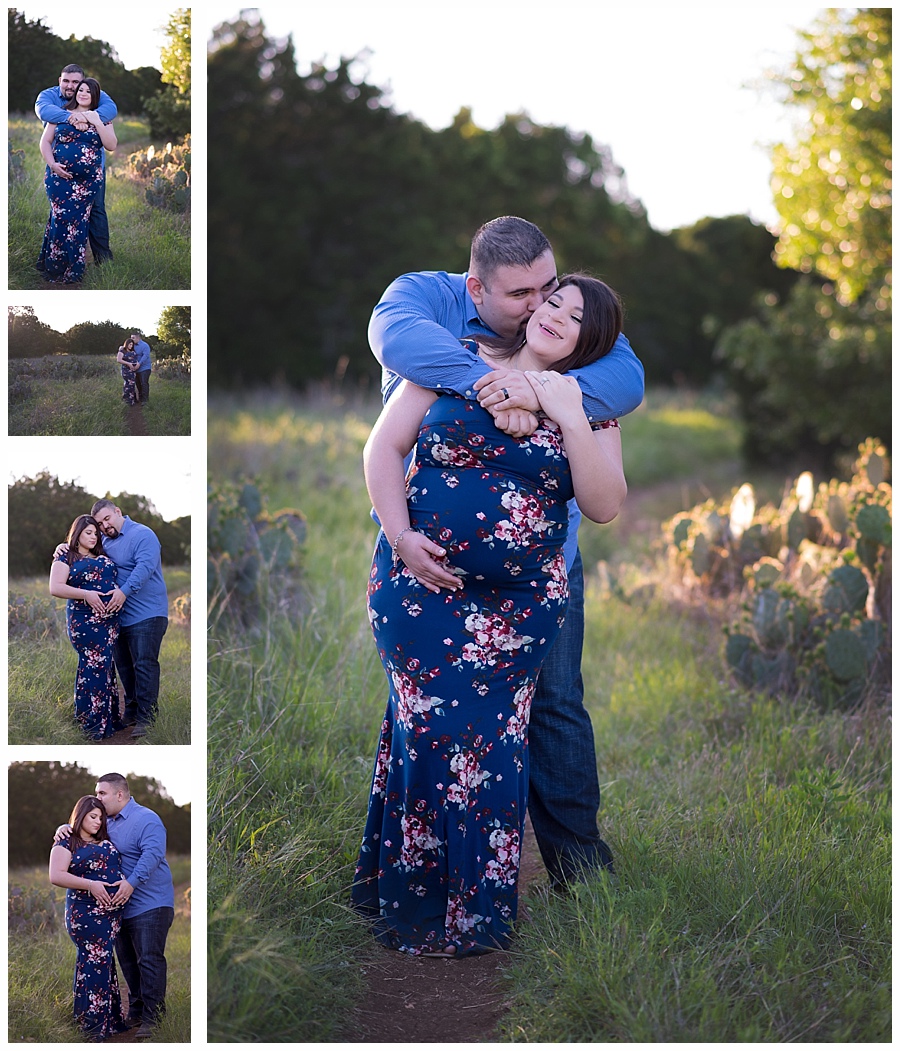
81	810
93	87
77	528
601	325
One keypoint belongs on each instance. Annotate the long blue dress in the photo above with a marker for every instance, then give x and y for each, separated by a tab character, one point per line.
97	1003
94	637
64	249
440	854
129	382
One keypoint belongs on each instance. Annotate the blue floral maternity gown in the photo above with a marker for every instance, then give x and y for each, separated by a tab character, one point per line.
439	860
65	244
129	383
97	1007
96	689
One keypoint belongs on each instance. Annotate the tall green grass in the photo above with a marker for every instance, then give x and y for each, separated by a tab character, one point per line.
43	400
151	247
751	836
41	965
41	676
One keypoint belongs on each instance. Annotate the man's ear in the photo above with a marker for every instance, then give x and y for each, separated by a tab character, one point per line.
475	289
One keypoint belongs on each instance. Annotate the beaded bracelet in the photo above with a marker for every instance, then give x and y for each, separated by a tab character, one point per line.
397	538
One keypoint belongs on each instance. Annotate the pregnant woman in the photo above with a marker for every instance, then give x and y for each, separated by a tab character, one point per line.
128	360
467	592
89	867
74	157
85	577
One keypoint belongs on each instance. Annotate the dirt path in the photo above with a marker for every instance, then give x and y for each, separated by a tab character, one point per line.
412	999
134	417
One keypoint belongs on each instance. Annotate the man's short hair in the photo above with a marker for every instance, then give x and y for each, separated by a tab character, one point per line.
507	241
100	505
72	67
115	781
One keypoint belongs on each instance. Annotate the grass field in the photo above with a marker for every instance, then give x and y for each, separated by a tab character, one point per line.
42	673
64	394
752	835
151	247
42	962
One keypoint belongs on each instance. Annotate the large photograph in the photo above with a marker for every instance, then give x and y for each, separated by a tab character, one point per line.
549	524
99	148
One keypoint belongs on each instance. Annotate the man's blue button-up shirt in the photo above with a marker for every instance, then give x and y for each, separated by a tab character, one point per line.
142	350
140	837
136	553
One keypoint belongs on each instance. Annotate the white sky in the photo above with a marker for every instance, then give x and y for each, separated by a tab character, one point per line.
167	763
123	308
135	30
159	472
661	85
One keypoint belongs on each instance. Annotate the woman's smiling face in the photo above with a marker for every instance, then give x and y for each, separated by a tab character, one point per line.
554	327
88	538
83	94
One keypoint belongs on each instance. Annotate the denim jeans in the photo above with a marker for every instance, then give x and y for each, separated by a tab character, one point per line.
98	225
564	789
142	379
136	655
140	949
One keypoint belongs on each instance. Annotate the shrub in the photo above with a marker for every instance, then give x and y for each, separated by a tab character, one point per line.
814	576
251	554
33	618
174	368
31	910
167	173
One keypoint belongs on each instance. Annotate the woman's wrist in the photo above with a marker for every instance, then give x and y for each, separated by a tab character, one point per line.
395	546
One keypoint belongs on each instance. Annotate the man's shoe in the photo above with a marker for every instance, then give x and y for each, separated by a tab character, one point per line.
145	1032
140	730
132	1021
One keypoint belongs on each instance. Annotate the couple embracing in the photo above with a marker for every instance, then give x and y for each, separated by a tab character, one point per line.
134	359
109	570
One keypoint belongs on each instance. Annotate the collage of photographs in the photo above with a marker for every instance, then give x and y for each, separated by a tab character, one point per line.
511	388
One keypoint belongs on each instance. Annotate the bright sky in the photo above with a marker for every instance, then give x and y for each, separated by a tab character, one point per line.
663	86
167	763
160	474
123	308
136	30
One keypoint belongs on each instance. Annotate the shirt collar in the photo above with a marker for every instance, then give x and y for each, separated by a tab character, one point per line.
124	812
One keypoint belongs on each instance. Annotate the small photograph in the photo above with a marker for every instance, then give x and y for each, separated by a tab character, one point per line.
100	900
99	593
110	365
99	147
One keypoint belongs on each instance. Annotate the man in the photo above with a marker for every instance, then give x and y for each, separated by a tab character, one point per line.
142	376
414	333
148	894
50	109
143	603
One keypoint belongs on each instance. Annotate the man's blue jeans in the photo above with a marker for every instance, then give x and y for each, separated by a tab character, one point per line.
142	379
141	949
136	655
98	224
564	789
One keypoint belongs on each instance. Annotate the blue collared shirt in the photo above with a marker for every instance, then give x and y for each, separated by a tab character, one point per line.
140	837
50	108
414	333
142	350
136	553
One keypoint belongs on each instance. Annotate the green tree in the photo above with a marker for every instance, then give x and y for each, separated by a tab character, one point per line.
35	55
833	184
174	327
40	511
813	371
95	337
169	110
28	336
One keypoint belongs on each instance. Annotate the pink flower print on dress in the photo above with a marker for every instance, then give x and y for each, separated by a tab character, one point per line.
411	701
504	867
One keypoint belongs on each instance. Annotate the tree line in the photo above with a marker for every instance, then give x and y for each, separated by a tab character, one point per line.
320	194
29	337
41	510
36	56
42	795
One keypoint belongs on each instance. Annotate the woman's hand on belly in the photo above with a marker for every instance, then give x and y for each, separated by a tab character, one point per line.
426	561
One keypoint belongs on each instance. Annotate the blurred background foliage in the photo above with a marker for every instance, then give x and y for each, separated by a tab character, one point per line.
41	510
41	797
320	194
162	96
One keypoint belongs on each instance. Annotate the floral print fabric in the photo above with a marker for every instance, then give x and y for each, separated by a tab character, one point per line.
65	244
93	636
129	382
97	1004
439	862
